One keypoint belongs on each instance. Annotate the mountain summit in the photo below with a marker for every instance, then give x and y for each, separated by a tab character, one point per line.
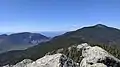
98	34
101	26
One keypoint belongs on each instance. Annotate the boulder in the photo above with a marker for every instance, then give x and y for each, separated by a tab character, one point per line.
94	56
56	60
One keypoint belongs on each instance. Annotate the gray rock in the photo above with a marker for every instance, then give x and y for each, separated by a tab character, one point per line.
21	64
94	56
56	60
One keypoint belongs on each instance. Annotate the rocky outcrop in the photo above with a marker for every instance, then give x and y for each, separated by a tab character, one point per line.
56	60
91	57
21	64
97	57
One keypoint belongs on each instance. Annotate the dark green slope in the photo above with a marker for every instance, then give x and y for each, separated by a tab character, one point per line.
98	34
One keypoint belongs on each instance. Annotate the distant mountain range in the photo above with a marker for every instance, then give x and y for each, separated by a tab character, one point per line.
50	34
18	41
98	34
53	33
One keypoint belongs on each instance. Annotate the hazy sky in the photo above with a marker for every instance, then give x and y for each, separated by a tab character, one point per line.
57	15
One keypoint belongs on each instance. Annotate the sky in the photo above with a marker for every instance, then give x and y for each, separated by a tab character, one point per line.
57	15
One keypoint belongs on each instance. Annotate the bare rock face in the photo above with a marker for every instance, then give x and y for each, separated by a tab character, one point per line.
21	64
56	60
82	46
98	57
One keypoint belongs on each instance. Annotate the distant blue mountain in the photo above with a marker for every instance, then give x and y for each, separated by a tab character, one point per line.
53	33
